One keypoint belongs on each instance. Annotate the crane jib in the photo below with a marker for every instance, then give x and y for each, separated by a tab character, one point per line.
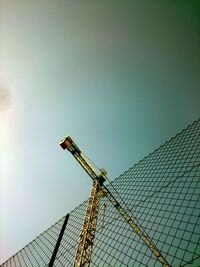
84	251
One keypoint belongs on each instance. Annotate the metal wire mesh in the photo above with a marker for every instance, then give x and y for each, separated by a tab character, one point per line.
162	192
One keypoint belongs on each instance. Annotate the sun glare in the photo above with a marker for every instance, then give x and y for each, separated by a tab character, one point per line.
6	150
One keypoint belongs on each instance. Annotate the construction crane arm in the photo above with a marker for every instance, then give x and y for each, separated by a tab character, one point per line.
136	228
68	143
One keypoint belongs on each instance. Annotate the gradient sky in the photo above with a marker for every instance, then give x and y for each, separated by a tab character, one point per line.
121	77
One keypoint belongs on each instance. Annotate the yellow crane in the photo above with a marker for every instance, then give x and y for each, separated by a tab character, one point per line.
86	241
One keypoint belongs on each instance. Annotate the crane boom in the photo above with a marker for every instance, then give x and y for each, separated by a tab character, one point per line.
84	251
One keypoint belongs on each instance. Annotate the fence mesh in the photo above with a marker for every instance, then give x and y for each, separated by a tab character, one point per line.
162	192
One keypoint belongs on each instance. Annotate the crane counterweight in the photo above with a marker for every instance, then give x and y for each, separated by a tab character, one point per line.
66	142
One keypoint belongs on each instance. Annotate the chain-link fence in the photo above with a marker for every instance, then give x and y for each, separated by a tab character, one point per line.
162	192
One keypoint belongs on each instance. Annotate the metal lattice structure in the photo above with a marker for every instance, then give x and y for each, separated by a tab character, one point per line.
162	192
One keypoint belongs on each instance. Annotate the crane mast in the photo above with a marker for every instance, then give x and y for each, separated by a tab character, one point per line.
86	241
84	250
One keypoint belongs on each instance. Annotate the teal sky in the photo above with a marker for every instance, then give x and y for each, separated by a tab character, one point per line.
120	77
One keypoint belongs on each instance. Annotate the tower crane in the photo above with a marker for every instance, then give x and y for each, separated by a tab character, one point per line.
98	190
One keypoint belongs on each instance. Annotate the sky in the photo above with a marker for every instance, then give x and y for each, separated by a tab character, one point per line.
120	77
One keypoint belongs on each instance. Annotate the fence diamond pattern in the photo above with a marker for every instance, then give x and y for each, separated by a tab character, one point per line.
162	192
